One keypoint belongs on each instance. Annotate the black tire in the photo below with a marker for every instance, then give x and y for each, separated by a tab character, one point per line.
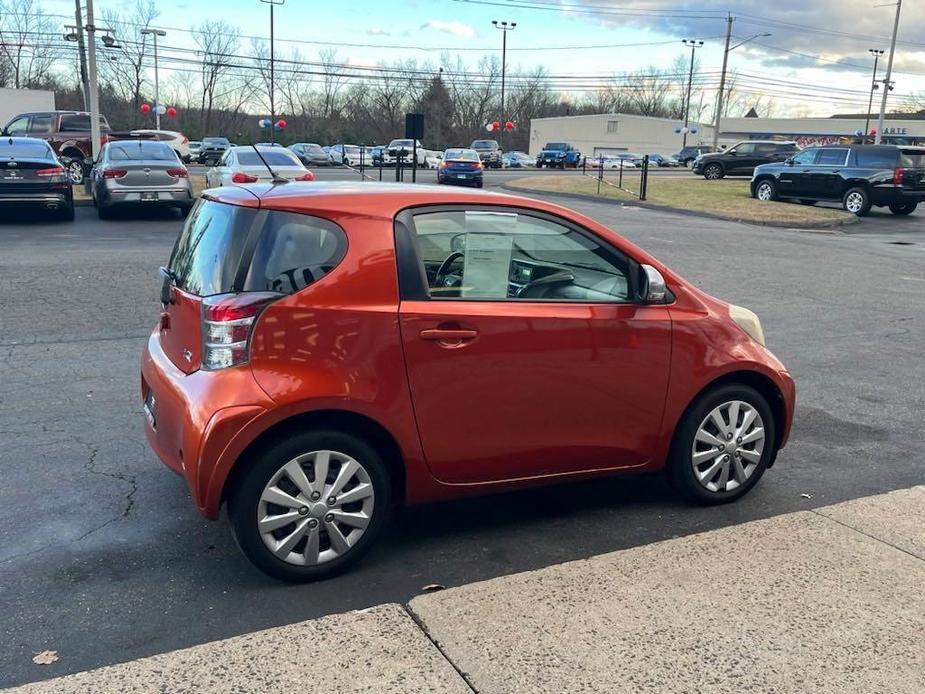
901	209
768	185
804	201
713	172
244	498
680	462
76	170
479	184
103	212
856	201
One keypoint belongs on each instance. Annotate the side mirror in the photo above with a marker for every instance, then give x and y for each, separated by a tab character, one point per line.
789	161
650	285
732	152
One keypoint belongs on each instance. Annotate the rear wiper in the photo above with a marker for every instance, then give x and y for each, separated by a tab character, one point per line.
275	176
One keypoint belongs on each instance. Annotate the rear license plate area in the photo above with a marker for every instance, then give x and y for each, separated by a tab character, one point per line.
150	407
149	196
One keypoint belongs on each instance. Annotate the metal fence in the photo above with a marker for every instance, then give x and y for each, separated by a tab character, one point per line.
598	173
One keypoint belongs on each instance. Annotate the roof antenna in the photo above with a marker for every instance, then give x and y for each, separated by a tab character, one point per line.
276	177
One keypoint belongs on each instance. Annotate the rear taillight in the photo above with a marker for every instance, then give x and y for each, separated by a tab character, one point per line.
185	140
54	171
241	177
307	176
114	173
227	321
898	173
178	173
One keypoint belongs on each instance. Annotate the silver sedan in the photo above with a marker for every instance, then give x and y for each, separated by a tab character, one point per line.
140	172
241	165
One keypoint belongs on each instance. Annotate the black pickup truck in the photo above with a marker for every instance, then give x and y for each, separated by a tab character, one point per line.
859	176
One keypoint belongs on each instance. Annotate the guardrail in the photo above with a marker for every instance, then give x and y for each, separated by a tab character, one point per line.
599	171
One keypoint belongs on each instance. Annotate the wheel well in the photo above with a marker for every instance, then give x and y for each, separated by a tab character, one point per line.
349	422
759	382
714	163
73	153
855	184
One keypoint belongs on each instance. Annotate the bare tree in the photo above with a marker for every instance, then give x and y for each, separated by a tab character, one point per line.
218	41
27	54
123	71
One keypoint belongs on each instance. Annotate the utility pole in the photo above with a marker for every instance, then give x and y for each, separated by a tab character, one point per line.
272	4
504	27
81	49
889	73
94	94
154	33
722	82
876	52
694	45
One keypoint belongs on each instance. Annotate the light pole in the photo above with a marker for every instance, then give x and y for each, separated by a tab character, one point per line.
504	27
717	117
79	30
876	52
889	73
154	33
272	4
694	45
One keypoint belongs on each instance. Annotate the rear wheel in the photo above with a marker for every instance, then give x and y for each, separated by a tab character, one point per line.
722	445
856	201
713	172
310	505
903	208
766	190
75	170
103	212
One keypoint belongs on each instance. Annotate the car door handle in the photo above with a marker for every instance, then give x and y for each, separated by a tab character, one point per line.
448	334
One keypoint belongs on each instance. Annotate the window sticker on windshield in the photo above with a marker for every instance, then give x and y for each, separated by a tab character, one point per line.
487	265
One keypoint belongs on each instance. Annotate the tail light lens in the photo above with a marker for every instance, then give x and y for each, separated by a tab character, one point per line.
307	176
178	173
227	322
54	171
114	173
185	140
241	177
898	175
442	164
479	165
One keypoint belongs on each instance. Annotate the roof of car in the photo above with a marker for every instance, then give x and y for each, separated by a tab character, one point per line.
8	140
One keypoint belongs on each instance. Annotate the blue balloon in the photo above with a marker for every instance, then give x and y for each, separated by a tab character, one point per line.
694	131
264	122
677	131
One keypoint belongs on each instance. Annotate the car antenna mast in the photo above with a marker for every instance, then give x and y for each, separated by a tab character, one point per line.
276	177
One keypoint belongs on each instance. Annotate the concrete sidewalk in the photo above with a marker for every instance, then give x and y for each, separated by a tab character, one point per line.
829	600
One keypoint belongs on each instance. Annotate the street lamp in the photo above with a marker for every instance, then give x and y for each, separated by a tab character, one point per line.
272	4
503	27
694	45
154	33
876	52
717	117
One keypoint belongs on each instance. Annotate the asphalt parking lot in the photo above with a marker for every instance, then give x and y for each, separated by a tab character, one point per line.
104	559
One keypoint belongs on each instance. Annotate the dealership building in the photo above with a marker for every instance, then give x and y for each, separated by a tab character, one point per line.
612	133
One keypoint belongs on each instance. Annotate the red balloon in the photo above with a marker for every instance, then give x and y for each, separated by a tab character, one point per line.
146	108
873	131
495	125
171	111
509	126
281	124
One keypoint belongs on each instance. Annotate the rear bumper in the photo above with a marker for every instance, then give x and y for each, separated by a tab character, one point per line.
885	195
165	196
196	416
50	198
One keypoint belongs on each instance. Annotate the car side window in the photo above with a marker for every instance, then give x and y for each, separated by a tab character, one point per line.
484	255
832	157
227	158
766	149
40	125
18	126
745	148
805	158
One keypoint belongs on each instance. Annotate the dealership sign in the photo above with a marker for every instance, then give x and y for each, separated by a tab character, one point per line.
896	131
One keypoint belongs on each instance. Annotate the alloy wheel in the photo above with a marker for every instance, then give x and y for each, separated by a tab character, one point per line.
75	172
728	446
854	203
765	192
315	508
712	172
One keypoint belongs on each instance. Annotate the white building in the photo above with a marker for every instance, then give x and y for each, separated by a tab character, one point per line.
611	133
16	101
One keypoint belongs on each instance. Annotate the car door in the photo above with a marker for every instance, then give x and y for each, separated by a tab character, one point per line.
220	174
796	176
744	160
827	172
525	351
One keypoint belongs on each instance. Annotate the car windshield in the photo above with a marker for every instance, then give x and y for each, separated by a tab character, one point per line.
215	141
460	155
273	158
401	143
29	150
141	150
485	144
556	146
351	149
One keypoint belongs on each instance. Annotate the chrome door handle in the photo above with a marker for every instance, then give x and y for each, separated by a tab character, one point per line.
448	335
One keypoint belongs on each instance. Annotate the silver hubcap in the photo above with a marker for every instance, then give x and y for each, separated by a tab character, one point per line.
315	508
712	172
764	191
854	202
728	446
76	172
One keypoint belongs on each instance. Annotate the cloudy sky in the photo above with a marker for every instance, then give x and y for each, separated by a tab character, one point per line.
815	60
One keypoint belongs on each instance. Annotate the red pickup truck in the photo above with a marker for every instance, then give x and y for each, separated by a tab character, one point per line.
68	133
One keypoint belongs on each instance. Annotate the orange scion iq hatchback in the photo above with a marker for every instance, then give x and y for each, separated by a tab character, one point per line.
327	352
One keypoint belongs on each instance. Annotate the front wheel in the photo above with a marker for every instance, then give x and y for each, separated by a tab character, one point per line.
722	445
856	201
766	190
713	172
310	505
901	209
75	171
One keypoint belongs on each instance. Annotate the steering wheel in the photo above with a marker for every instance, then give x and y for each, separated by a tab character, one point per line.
445	266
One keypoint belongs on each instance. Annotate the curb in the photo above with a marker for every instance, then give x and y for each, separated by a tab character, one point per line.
829	226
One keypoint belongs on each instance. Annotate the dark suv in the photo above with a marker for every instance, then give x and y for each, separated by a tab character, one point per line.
742	158
860	176
688	155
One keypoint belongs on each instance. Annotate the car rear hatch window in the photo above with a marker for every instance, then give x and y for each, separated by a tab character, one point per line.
912	161
27	167
227	251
